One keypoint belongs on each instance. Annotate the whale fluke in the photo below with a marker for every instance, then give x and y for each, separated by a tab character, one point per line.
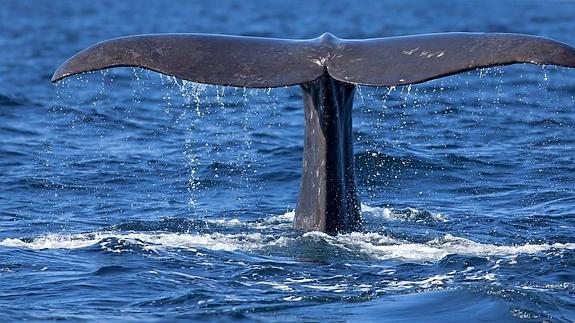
211	59
268	62
327	69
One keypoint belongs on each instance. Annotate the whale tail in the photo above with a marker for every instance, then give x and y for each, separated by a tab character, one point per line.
267	62
327	68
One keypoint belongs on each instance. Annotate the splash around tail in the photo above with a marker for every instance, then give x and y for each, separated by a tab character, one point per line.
327	68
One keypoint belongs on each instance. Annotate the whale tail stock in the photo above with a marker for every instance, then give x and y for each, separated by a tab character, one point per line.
327	68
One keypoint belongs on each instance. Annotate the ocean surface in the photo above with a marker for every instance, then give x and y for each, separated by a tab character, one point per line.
126	195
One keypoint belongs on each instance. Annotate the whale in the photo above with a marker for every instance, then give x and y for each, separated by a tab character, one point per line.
327	69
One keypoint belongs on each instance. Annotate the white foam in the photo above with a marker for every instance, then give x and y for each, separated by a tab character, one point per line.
54	241
372	245
279	221
300	280
286	217
150	241
436	281
548	287
407	214
486	276
228	223
384	248
462	246
275	285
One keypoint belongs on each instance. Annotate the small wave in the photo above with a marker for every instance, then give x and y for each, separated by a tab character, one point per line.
382	247
365	245
110	270
9	101
185	225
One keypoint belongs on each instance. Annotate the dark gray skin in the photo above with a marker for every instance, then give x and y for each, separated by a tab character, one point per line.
328	69
327	199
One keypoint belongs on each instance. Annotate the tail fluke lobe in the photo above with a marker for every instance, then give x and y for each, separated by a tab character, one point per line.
415	59
266	62
210	59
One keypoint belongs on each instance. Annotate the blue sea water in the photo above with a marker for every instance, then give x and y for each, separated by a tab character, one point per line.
127	195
